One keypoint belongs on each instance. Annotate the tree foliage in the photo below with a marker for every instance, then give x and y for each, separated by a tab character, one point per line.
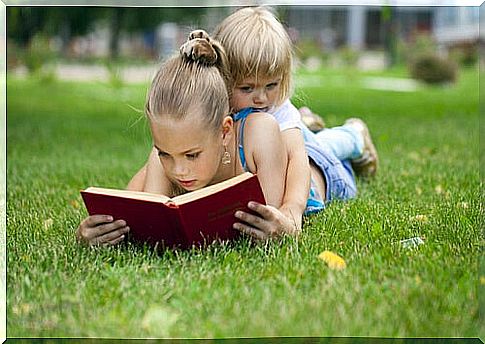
24	22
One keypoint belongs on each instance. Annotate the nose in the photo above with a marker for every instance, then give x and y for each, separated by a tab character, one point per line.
260	97
180	169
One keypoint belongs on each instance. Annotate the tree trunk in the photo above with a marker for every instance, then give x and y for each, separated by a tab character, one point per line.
115	27
390	34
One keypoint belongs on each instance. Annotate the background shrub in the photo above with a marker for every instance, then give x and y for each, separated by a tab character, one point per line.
38	54
465	54
433	69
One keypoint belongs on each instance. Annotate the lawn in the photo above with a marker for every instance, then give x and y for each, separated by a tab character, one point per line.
62	137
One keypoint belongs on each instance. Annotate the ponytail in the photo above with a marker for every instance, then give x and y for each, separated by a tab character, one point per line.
201	48
195	80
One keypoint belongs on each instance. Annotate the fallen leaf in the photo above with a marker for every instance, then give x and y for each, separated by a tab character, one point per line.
75	204
421	218
25	308
333	260
482	280
48	223
439	189
414	156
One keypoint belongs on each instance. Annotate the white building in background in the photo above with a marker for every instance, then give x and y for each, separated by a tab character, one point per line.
456	24
363	27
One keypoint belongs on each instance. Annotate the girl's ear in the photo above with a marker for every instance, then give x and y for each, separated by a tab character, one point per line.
227	129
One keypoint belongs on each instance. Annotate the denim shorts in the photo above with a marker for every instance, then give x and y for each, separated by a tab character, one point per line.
339	176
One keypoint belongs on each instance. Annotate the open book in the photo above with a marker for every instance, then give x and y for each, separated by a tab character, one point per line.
197	217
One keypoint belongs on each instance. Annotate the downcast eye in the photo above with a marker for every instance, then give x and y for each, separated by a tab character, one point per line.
192	156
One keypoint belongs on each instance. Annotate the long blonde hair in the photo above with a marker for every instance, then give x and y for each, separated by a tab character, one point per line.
183	85
257	44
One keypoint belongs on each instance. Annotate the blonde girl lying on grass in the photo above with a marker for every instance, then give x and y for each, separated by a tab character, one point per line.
196	143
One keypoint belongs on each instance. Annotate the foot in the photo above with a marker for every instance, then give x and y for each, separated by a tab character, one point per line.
365	165
313	121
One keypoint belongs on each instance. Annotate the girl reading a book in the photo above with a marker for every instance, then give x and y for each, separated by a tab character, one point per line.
259	57
197	143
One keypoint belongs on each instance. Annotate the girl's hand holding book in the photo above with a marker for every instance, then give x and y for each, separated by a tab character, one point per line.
269	224
101	230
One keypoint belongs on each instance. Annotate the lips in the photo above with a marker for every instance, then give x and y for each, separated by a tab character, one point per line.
186	183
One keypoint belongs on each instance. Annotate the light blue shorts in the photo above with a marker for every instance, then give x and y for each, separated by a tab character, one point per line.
339	176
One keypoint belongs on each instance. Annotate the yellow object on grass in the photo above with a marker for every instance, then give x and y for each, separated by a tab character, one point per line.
334	261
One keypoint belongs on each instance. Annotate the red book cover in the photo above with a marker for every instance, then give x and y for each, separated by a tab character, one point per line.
195	218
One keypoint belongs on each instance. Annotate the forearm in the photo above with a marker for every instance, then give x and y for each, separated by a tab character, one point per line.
297	183
150	178
296	190
155	179
137	183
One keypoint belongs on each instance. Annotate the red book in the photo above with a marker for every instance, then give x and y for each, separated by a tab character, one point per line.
194	218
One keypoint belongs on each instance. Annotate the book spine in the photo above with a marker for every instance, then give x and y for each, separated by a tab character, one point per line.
179	223
184	229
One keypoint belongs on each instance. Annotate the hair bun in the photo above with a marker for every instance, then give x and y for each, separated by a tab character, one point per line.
199	48
198	34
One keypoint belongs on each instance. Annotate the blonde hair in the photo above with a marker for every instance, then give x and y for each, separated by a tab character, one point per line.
183	85
257	44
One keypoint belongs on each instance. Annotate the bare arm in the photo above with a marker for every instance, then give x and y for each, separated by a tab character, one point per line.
266	156
151	177
155	179
297	184
137	182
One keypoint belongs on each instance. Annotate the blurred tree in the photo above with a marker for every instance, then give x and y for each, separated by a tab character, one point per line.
127	19
24	22
389	24
67	22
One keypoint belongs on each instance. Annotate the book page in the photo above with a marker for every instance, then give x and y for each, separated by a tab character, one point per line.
144	196
212	189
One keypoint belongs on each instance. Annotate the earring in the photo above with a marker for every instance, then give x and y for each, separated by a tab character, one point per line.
226	157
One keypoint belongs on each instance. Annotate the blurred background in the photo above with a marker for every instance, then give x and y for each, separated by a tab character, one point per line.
125	44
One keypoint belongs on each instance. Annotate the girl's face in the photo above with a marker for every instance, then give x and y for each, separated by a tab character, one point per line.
190	153
260	93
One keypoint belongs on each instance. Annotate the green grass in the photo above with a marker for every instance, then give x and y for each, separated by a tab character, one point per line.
63	137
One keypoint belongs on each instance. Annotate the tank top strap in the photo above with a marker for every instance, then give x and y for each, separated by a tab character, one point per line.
242	115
